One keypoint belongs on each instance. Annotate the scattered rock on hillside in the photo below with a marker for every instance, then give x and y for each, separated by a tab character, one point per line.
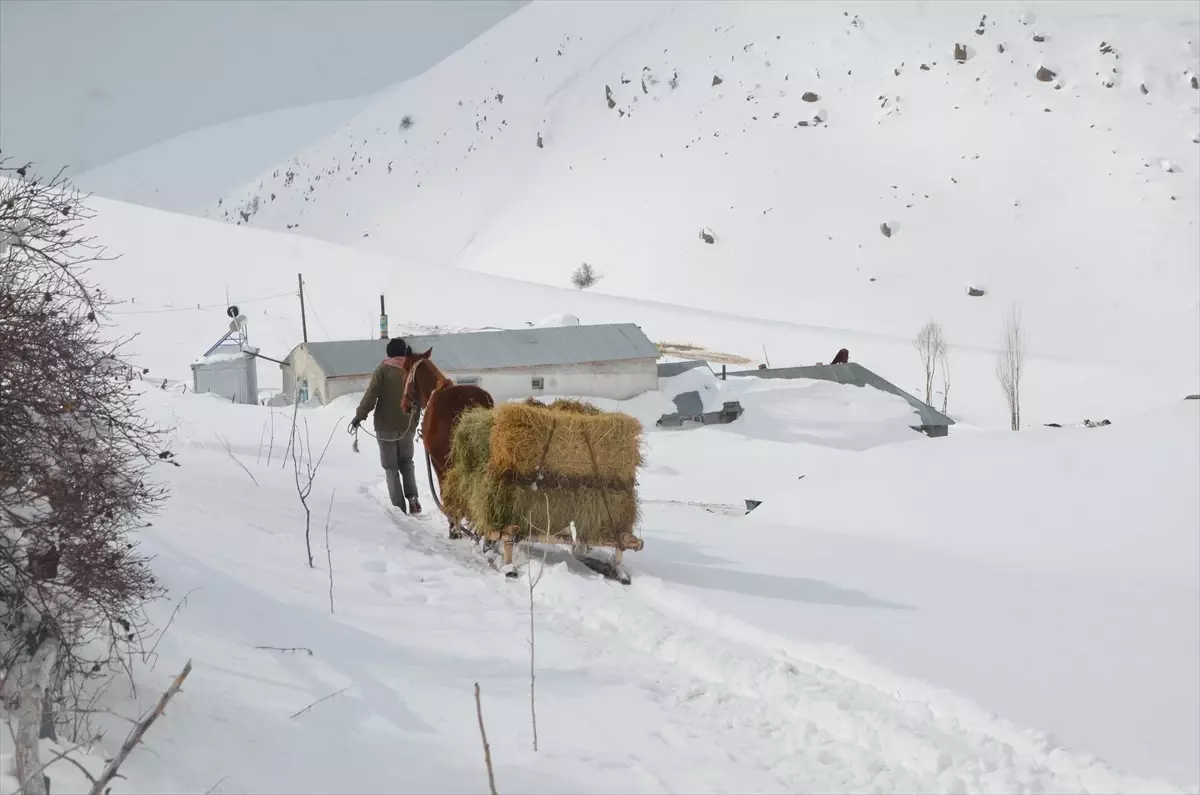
924	67
717	81
539	141
960	53
885	229
1039	38
809	96
1143	89
707	236
1105	48
975	292
1000	48
1045	75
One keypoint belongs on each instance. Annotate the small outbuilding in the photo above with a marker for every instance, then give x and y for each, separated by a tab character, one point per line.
230	367
615	361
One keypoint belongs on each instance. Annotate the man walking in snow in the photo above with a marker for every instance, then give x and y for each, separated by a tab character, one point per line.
394	428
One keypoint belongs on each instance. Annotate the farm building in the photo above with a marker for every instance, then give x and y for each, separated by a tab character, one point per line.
615	361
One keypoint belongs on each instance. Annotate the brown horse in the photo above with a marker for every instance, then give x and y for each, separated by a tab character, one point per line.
444	402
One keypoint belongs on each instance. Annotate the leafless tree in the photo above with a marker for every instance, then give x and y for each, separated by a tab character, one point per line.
1010	364
76	455
305	470
944	363
931	346
584	276
533	582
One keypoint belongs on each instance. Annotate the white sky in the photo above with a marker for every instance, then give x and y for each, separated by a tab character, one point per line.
83	82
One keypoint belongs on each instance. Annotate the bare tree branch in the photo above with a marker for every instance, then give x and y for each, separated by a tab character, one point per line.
329	550
1010	364
139	731
229	452
287	649
487	750
319	700
931	346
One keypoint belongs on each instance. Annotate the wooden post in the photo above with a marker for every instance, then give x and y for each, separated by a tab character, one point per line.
303	319
722	372
508	550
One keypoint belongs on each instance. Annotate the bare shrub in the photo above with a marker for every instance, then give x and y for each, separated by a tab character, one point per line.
76	455
931	346
584	276
1010	364
406	122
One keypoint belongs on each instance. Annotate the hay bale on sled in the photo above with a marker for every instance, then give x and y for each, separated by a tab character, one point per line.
569	441
512	464
600	514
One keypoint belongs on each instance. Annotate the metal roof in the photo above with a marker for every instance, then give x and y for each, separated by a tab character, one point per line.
856	374
492	350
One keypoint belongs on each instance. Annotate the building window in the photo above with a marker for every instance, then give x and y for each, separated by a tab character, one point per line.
467	380
538	383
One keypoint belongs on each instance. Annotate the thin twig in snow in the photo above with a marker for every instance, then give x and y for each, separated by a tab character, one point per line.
229	450
328	551
213	788
171	620
287	649
319	700
487	751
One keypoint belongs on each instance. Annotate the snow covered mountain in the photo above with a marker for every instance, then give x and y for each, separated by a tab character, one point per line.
850	168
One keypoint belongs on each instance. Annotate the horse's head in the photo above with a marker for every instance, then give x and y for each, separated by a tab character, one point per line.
412	386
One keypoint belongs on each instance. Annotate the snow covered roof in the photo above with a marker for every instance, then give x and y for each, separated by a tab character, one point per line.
491	350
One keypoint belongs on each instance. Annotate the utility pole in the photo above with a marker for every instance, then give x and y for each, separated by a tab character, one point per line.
303	320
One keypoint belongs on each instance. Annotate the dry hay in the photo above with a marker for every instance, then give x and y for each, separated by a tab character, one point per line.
495	458
471	439
600	514
570	442
564	404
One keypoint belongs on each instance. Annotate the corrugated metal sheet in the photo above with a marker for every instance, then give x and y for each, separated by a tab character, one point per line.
856	374
489	350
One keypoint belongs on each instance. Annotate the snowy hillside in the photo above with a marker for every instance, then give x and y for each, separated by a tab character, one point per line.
1055	167
184	173
924	642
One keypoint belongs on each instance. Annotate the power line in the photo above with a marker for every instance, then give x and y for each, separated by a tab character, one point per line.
199	308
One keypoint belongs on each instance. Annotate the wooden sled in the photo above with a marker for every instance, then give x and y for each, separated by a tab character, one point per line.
609	567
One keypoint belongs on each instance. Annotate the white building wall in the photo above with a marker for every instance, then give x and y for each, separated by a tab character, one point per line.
302	367
336	387
612	380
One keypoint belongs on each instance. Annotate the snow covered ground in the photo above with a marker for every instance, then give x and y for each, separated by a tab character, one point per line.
992	612
881	625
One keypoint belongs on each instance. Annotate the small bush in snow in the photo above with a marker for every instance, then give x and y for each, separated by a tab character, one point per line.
584	276
406	122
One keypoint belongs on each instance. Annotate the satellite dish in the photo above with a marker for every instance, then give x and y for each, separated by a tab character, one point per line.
233	311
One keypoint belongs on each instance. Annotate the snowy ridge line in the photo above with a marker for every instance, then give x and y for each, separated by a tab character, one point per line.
838	721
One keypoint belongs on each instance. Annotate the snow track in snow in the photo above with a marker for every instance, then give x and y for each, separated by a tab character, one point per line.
788	717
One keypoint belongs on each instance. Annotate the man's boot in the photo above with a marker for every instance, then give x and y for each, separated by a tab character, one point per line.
414	506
